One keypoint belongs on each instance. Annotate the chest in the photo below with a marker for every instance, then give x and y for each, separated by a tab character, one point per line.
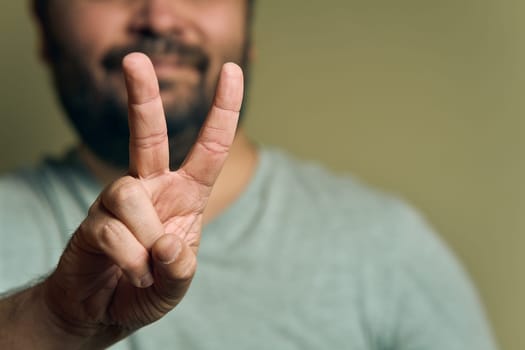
260	305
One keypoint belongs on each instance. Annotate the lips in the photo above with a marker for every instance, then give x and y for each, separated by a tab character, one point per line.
162	51
171	74
171	65
166	60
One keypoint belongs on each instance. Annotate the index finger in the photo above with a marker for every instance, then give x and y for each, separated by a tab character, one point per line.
148	139
205	160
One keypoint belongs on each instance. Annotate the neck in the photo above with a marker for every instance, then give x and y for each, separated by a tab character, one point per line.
235	175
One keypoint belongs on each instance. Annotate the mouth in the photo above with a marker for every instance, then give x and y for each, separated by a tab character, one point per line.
172	67
163	53
169	61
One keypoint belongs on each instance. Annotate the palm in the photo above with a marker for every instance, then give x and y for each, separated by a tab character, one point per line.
180	203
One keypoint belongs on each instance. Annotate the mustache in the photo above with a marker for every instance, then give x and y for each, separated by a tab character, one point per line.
187	55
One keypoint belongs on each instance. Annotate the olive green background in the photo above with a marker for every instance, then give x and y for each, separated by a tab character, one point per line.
421	98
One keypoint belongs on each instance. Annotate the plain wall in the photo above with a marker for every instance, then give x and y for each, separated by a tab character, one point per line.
420	98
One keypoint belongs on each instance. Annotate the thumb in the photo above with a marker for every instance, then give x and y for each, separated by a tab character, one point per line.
175	264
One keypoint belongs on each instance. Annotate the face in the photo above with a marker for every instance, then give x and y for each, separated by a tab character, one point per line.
187	41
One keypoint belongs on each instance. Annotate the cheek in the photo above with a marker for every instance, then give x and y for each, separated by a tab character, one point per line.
225	36
89	31
221	25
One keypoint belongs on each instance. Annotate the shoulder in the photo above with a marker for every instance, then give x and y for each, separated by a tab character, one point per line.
342	201
412	290
362	226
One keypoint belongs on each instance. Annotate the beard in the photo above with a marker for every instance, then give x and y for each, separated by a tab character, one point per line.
99	113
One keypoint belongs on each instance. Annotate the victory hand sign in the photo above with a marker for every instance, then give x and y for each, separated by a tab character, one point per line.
132	259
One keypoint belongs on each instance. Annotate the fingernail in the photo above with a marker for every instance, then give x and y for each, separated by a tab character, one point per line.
146	280
174	256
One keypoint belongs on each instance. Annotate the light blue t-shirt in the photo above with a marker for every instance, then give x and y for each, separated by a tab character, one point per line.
303	260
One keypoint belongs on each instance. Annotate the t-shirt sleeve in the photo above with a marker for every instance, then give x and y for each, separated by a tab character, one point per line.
434	303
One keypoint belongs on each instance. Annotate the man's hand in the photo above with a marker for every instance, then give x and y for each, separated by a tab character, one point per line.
132	259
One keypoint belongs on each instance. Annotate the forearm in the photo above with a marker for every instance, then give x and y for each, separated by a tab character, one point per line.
27	323
24	323
19	328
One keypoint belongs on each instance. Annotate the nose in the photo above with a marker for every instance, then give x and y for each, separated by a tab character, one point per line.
160	17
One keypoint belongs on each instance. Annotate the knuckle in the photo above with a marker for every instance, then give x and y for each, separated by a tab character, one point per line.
124	190
112	238
149	141
215	147
109	235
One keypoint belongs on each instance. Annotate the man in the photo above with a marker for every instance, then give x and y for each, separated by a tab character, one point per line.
290	256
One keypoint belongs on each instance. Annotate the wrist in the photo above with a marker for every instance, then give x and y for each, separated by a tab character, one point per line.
28	322
25	322
47	329
71	332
